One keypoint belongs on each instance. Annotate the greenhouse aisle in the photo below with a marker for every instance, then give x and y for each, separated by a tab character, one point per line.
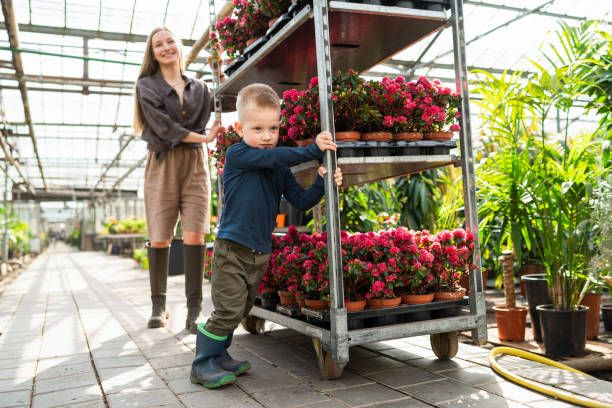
73	334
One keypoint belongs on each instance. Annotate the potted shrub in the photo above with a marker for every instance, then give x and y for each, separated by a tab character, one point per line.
315	281
300	115
452	253
349	98
355	285
415	268
225	138
510	318
234	33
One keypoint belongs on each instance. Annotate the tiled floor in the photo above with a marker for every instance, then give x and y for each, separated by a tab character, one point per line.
73	335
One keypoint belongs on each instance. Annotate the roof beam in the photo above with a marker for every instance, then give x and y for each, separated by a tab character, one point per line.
79	91
522	10
92	34
60	80
127	173
407	65
113	162
226	10
109	125
13	33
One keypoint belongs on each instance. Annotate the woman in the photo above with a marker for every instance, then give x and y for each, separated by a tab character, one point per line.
172	112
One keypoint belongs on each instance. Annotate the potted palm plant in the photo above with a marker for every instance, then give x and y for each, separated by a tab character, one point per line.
510	318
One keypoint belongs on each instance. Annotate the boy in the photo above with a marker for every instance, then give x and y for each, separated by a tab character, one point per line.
255	175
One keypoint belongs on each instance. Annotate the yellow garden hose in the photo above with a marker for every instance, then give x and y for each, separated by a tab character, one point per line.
553	392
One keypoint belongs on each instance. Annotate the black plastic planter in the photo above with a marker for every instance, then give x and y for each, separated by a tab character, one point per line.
176	257
269	300
563	332
536	291
606	314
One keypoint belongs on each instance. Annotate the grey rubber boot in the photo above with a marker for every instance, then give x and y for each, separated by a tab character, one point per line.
226	362
158	277
204	369
194	274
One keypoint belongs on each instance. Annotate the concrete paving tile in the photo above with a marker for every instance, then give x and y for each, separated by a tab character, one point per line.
46	363
166	351
169	374
18	372
17	362
16	384
473	375
377	346
124	379
347	379
403	403
366	395
481	400
400	377
513	363
512	392
183	386
14	398
435	365
228	397
177	360
64	383
146	398
64	369
289	397
90	404
599	390
124	361
67	397
554	376
372	365
440	391
112	353
407	354
550	403
270	379
358	353
332	403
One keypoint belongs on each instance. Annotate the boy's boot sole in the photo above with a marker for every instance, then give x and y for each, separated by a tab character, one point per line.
228	379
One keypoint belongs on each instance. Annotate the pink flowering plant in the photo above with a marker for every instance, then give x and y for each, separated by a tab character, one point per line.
225	138
453	252
315	281
350	101
300	113
273	8
245	23
435	106
415	261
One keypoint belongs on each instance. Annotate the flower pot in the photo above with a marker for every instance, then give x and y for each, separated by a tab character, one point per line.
408	136
305	142
378	136
606	314
466	280
510	322
417	299
536	291
269	300
354	306
593	302
280	220
300	300
317	304
563	332
455	295
286	298
272	21
437	135
354	136
530	269
384	303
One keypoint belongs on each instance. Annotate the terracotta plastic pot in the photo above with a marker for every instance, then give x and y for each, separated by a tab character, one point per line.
286	298
378	136
346	136
354	306
272	21
300	300
304	142
593	302
456	295
437	135
510	322
317	304
408	136
563	332
384	303
536	292
417	299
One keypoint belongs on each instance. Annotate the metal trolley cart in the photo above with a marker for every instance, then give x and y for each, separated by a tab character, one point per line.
359	36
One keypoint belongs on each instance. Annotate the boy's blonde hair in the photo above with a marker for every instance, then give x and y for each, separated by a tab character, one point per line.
258	96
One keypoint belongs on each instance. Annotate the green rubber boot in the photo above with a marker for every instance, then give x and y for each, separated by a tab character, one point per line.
205	370
226	362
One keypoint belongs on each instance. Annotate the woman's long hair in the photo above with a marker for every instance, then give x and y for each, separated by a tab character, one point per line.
149	67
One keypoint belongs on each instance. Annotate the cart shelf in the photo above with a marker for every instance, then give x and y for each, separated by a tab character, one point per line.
361	170
361	36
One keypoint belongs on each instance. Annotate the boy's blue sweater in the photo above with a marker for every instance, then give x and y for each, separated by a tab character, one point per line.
253	182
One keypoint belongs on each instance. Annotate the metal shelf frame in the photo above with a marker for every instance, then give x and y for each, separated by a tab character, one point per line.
338	338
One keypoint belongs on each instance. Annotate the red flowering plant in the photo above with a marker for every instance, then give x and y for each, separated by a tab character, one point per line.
415	262
300	114
273	8
350	101
453	252
225	138
315	281
435	106
246	23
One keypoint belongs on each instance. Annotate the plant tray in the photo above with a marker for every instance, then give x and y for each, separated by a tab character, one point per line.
388	316
292	311
395	148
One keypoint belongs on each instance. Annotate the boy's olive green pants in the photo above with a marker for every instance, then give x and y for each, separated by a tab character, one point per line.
236	274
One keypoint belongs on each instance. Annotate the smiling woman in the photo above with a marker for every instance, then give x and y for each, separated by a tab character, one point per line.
171	112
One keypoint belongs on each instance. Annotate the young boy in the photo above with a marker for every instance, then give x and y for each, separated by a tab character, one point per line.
255	175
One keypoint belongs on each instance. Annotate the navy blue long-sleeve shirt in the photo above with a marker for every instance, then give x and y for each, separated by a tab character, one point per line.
253	182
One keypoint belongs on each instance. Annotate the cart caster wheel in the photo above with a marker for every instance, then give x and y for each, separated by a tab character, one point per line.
254	325
328	368
445	345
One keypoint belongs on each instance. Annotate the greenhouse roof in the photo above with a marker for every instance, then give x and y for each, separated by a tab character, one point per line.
74	135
